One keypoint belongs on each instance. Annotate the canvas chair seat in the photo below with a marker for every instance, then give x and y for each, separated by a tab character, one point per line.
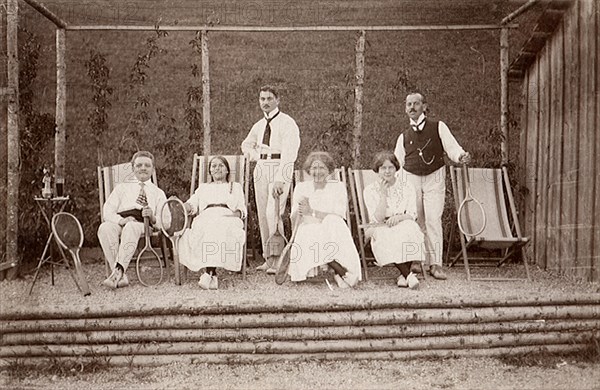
108	178
491	187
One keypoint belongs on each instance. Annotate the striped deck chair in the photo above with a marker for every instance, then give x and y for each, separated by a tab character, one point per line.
239	172
339	174
359	179
492	188
108	178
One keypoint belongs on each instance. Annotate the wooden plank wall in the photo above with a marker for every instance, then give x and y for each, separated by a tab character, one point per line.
561	144
596	253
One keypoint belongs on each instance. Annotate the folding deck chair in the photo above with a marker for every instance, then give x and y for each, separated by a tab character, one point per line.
492	188
339	174
239	172
108	178
359	179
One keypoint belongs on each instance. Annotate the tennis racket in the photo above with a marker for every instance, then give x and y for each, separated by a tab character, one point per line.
174	211
276	242
471	215
283	264
68	233
149	266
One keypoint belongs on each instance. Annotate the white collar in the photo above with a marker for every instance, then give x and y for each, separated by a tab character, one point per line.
272	113
419	120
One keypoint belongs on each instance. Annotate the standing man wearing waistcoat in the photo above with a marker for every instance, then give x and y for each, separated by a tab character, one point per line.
420	150
272	142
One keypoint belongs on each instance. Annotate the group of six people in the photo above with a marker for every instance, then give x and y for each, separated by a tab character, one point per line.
404	205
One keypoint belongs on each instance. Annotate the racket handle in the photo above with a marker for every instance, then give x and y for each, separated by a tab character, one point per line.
147	228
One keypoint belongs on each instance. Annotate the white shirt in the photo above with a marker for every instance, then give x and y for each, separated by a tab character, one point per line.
451	146
124	197
285	140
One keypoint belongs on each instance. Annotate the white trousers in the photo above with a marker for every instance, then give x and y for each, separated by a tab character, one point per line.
431	193
119	243
264	174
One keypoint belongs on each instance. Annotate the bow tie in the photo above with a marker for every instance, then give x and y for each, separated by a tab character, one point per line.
416	127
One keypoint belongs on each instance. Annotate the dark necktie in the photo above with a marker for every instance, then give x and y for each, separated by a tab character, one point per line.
267	135
141	199
416	127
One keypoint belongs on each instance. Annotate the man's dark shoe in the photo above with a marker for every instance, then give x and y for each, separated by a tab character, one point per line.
437	272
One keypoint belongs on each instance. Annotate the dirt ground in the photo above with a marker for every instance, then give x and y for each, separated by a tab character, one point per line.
579	371
464	373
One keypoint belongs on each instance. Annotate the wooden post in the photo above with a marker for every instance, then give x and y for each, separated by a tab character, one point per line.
4	92
205	93
61	108
13	176
358	98
504	94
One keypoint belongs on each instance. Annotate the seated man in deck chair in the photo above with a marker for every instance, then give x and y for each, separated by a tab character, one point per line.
124	213
420	150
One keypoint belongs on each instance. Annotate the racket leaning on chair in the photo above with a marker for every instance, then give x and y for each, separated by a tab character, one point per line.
69	235
471	215
283	264
174	221
148	265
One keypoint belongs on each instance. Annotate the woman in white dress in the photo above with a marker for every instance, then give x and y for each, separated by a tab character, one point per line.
392	208
323	237
217	237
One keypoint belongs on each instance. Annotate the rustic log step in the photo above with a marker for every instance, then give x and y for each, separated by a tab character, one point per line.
203	307
295	333
284	347
271	320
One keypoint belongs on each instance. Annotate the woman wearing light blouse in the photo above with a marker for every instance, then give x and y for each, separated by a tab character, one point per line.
323	236
217	236
392	208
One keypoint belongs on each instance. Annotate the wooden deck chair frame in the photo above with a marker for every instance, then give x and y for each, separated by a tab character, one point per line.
492	188
108	178
300	175
359	179
239	172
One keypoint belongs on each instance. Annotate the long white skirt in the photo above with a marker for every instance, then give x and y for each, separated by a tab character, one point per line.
397	244
319	243
215	240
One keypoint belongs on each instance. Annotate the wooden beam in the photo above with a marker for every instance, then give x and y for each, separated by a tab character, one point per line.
358	98
205	93
290	29
522	9
47	13
13	174
504	95
61	109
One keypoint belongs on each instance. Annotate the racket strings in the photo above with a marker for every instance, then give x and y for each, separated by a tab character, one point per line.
67	230
174	217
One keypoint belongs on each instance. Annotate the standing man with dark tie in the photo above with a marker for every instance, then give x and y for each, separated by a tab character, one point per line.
420	150
272	142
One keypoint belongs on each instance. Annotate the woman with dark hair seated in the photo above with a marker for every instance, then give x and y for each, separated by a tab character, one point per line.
392	208
323	237
217	236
